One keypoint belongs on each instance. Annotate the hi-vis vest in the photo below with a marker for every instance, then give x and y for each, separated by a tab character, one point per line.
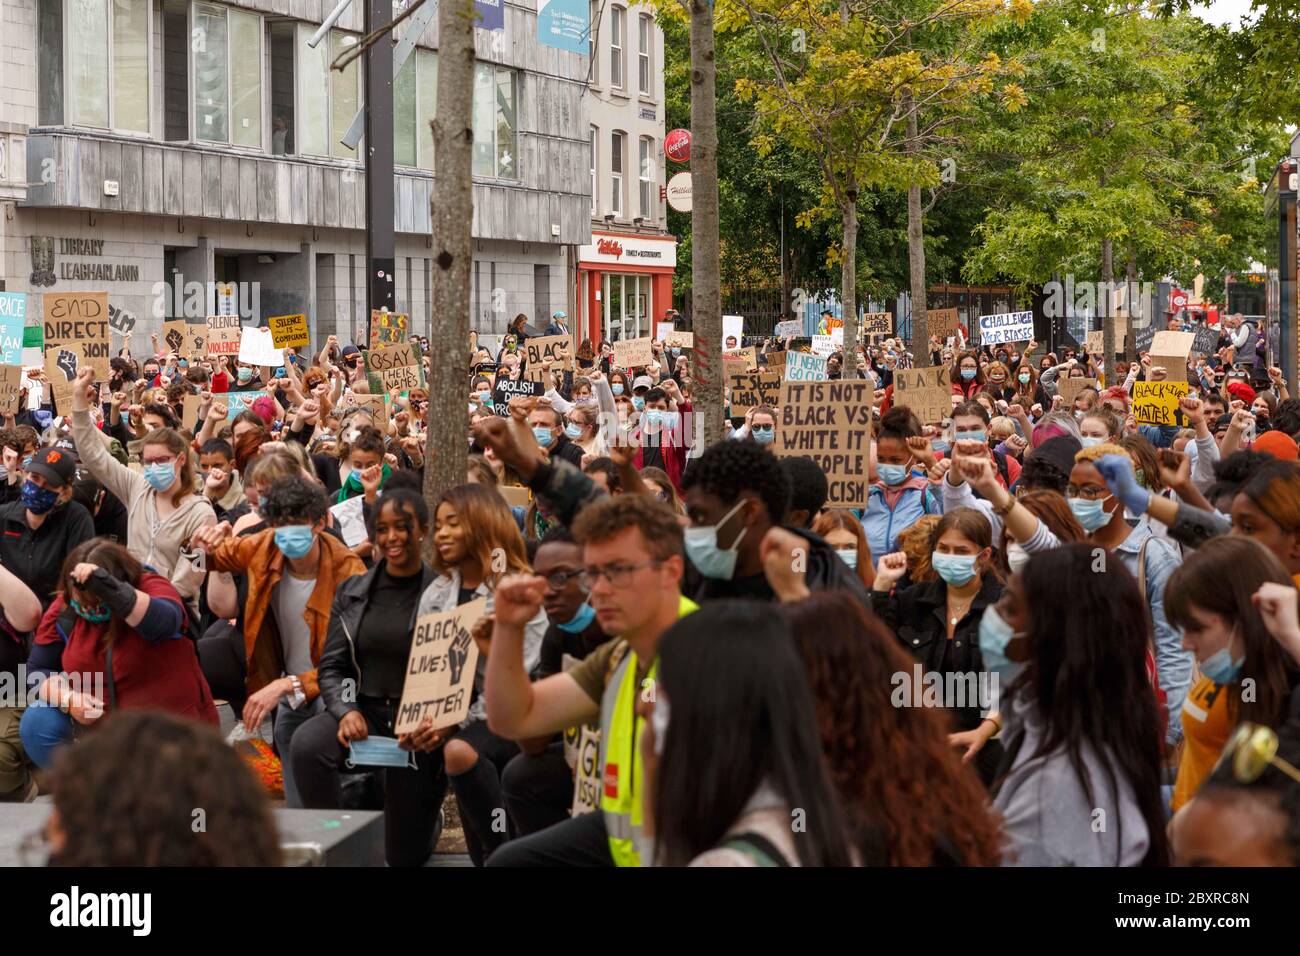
620	799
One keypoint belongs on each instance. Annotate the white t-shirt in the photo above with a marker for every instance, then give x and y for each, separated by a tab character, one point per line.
288	601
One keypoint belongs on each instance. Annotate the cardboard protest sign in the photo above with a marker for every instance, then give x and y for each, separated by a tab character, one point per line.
823	345
775	362
61	366
750	389
542	352
289	331
517	496
634	353
224	334
1206	340
1096	342
942	322
926	391
789	329
395	366
733	332
588	778
506	389
803	367
196	340
829	422
175	332
119	320
387	328
1006	327
79	321
877	323
1173	343
11	383
662	329
748	355
190	405
374	404
237	402
350	518
1069	388
1144	338
1156	403
440	671
679	340
13	319
256	347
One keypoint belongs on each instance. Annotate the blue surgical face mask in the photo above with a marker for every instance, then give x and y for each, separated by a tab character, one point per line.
638	403
709	559
654	416
849	556
1091	514
36	499
244	374
956	569
938	444
543	435
968	373
979	436
617	388
763	436
1090	440
294	540
995	635
573	431
580	621
1024	378
1220	667
893	474
160	475
379	752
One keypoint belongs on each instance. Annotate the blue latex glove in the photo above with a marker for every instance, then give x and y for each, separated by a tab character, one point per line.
1123	483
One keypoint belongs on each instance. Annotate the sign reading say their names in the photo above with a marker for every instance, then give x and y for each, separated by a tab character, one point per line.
79	321
440	670
926	391
751	389
1006	327
396	366
289	331
634	353
802	367
1156	403
829	422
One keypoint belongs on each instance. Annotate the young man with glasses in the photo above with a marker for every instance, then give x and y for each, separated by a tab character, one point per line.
632	570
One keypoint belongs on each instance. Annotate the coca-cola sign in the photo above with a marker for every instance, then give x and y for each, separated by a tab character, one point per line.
677	145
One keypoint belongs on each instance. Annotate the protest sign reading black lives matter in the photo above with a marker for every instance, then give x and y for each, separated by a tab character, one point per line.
925	391
829	422
440	670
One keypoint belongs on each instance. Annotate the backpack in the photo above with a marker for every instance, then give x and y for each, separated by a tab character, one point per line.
758	848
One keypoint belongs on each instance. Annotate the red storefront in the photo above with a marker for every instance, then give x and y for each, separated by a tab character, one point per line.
625	284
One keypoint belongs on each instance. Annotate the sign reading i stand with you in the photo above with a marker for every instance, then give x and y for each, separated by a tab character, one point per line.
751	389
830	422
1006	327
440	670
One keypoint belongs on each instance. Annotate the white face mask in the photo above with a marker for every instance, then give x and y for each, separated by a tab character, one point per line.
1017	557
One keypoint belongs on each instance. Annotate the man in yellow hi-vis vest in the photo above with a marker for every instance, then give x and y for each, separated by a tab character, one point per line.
633	554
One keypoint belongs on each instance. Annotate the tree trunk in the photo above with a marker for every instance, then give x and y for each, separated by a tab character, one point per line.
453	208
1107	313
1132	300
706	300
849	277
916	252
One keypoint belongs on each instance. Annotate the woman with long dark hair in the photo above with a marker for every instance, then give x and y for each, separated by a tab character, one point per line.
907	796
733	762
1245	674
1082	786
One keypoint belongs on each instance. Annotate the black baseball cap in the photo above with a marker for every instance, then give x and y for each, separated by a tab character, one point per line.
54	465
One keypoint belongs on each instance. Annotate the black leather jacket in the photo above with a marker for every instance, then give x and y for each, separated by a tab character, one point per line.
338	661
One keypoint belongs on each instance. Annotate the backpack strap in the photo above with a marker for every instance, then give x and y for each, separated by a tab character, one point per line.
758	848
112	687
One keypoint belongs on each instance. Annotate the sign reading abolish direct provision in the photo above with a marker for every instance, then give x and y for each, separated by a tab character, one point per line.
829	422
942	322
1006	327
440	670
926	391
802	367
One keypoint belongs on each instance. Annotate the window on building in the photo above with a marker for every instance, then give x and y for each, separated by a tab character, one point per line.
327	99
404	128
616	17
283	141
345	93
227	69
646	176
176	69
616	142
103	48
645	45
595	189
593	36
494	121
426	104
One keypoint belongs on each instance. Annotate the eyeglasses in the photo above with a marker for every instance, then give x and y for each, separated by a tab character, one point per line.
1252	750
618	575
556	580
1088	492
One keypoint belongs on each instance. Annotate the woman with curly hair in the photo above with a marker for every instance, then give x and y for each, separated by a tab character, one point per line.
907	796
104	817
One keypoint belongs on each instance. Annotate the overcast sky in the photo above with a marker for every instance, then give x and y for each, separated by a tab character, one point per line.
1223	11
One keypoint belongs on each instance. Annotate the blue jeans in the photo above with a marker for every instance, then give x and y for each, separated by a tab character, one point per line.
287	721
44	728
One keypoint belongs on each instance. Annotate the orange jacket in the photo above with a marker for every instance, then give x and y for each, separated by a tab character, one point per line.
262	563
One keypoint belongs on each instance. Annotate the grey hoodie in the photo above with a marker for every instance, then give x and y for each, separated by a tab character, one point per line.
1048	818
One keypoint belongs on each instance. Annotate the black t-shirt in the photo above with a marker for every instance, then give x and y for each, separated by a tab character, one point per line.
556	643
111	518
465	595
384	635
